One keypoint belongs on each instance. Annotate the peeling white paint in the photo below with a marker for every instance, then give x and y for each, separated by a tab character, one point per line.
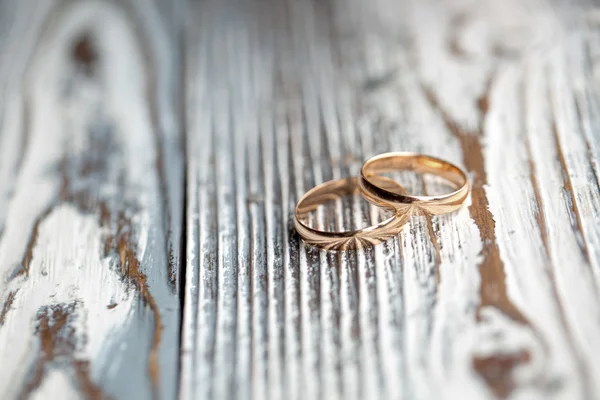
68	267
66	112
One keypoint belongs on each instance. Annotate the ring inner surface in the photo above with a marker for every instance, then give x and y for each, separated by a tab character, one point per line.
320	208
419	164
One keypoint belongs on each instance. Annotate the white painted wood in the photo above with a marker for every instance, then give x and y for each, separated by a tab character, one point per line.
497	300
90	200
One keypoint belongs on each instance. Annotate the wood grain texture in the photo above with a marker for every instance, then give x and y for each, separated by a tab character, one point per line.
91	199
499	300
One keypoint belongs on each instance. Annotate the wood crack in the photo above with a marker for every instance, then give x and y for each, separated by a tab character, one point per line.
539	215
6	306
130	270
542	224
574	213
25	134
590	151
160	144
541	220
23	269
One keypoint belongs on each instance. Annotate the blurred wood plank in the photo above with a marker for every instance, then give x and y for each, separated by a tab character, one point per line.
91	199
499	300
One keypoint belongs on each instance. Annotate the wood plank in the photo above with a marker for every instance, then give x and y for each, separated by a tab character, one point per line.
91	199
499	300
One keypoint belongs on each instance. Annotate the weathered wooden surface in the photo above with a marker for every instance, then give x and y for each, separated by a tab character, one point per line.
91	199
497	300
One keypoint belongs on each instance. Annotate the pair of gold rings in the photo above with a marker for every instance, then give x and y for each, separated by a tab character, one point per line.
383	192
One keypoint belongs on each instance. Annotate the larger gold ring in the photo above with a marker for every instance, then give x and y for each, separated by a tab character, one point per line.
409	204
345	240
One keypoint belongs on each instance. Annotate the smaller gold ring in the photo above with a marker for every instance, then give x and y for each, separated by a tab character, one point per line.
345	240
409	204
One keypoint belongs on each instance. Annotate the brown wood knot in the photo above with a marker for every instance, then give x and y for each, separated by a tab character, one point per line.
497	370
84	53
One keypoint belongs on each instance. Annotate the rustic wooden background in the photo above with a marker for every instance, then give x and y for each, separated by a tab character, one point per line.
151	154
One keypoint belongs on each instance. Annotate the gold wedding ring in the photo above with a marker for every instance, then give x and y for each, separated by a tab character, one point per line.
383	192
345	240
410	204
